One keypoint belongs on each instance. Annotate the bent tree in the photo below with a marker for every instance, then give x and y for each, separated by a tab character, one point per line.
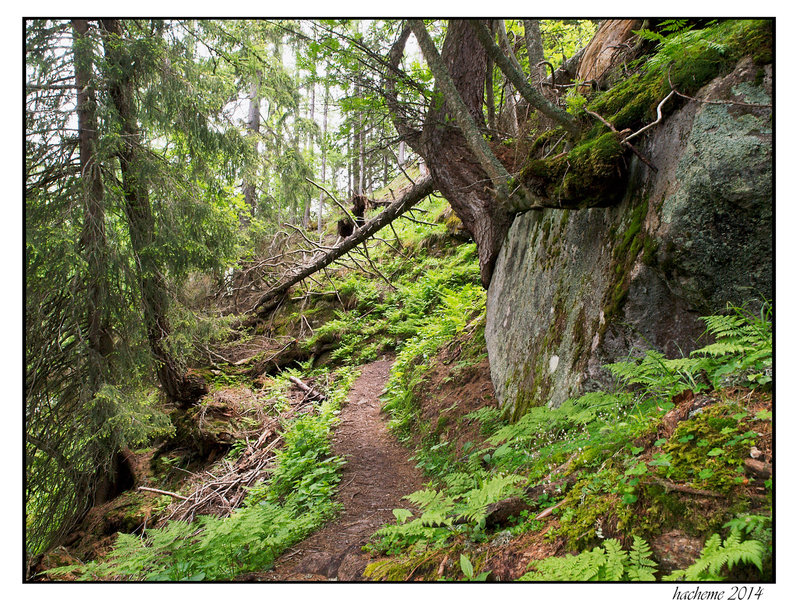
452	138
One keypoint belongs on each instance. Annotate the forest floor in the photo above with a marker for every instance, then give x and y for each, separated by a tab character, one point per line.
377	475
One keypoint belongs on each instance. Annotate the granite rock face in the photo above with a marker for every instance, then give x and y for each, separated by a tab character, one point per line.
573	290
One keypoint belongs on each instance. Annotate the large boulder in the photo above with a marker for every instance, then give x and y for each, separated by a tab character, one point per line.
573	290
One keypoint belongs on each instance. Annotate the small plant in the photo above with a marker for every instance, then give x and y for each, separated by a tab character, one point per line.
721	556
468	570
609	562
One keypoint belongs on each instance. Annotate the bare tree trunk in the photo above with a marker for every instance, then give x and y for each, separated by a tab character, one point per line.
361	167
177	385
323	154
253	128
534	49
309	146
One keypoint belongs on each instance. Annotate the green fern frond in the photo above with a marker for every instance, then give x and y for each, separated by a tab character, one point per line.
718	554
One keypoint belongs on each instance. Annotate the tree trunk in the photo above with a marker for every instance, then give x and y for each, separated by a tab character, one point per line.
510	113
462	165
178	386
530	94
323	153
534	49
490	100
253	128
309	143
93	239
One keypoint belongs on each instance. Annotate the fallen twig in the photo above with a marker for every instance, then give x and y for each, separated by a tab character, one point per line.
164	492
550	510
686	489
315	394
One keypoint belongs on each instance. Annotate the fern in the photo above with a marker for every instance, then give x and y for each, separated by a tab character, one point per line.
640	567
493	490
609	562
718	555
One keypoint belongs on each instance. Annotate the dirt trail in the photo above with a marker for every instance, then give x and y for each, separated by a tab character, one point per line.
376	477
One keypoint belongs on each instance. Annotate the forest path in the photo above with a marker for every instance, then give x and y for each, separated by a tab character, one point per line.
375	478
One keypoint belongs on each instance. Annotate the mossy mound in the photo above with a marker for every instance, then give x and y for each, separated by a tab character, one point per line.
592	173
685	62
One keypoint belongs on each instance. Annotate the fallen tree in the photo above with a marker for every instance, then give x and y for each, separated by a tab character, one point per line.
408	197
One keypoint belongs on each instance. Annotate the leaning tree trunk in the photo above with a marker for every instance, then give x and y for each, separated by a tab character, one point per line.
178	386
458	173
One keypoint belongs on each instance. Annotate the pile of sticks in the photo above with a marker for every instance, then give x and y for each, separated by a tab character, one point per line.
221	494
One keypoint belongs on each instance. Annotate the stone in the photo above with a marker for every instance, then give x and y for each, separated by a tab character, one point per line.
575	290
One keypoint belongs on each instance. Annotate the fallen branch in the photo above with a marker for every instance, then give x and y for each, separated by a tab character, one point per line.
290	353
759	469
650	125
686	489
312	393
412	195
334	199
624	142
550	510
164	492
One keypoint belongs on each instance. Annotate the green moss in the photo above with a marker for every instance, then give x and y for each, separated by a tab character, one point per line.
709	449
544	138
752	38
624	254
688	63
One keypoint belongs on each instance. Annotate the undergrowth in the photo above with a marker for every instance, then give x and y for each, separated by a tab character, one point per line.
279	512
608	451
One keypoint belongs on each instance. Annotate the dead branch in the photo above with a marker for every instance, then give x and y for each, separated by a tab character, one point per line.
650	125
312	394
685	489
286	355
334	199
164	492
550	510
758	468
411	196
625	142
225	492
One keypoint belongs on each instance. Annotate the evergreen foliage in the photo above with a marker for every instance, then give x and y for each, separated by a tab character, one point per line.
296	500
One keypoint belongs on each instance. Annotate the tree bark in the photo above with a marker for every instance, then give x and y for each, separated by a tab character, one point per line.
253	129
177	385
323	154
534	49
490	100
530	94
511	107
93	238
462	165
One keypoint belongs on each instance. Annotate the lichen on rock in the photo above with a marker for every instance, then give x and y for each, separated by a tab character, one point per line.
598	284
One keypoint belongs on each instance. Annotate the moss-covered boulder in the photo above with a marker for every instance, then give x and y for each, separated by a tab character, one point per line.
575	289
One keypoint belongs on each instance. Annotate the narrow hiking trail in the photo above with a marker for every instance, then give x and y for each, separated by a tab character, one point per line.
375	478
